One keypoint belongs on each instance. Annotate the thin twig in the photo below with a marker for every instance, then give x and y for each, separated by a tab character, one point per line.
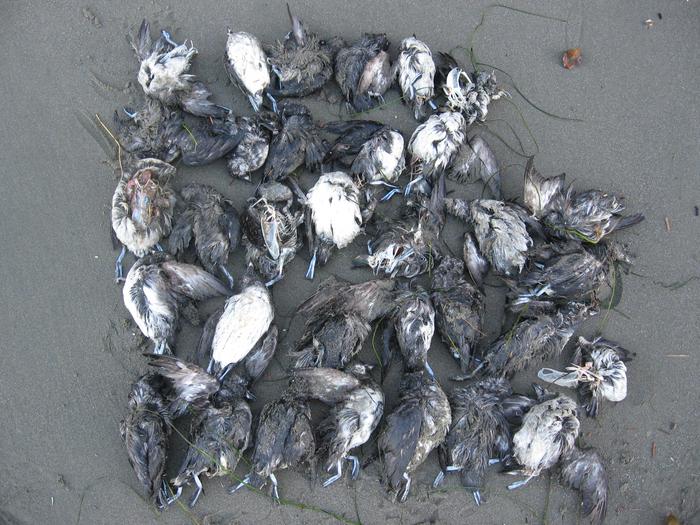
119	146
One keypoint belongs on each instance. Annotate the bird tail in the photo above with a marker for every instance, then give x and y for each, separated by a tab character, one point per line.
363	102
361	261
307	355
197	103
631	220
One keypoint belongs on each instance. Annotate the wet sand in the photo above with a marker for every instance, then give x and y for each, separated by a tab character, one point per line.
69	356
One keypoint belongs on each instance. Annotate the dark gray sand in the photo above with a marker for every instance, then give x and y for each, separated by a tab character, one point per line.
69	356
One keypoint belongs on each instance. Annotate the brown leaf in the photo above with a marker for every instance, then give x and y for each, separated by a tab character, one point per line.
571	58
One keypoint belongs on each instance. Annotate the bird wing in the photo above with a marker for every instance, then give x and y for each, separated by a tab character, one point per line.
193	282
143	43
256	362
196	101
207	148
300	444
397	442
584	471
286	151
487	167
192	384
539	192
324	384
459	208
230	223
145	438
181	234
205	340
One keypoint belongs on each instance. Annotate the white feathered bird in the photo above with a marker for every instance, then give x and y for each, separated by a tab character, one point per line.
549	431
381	157
246	64
598	372
500	229
155	288
142	208
246	318
415	70
333	216
164	74
434	144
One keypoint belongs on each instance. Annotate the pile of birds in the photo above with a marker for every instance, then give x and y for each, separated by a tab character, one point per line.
554	253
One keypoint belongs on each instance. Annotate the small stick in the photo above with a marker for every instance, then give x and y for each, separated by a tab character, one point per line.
677	355
653	449
668	224
119	146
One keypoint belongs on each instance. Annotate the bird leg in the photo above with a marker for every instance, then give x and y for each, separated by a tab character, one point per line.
254	103
272	101
407	190
338	473
312	266
228	275
390	194
210	366
243	483
275	279
168	38
477	497
441	475
275	493
432	104
223	373
130	114
429	370
159	349
167	495
199	491
118	268
521	483
407	487
355	466
470	375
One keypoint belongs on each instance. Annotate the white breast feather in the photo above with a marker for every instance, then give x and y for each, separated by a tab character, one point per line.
248	60
437	140
390	162
157	308
246	318
335	210
364	401
418	73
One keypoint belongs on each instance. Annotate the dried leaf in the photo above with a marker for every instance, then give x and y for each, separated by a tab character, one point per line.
571	58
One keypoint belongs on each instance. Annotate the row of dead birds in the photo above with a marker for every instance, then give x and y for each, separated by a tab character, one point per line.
553	253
